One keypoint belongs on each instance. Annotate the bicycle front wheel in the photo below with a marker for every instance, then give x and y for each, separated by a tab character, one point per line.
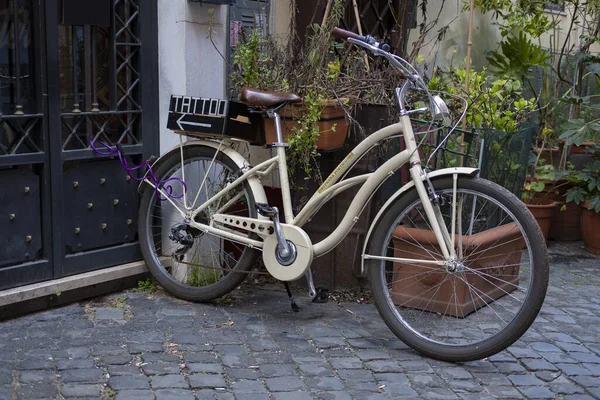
485	296
188	263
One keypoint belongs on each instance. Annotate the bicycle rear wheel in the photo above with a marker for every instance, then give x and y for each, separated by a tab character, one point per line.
480	302
190	264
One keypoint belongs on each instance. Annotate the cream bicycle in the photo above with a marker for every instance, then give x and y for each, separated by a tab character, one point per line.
457	264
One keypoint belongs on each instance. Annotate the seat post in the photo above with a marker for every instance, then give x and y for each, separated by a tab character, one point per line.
283	171
278	131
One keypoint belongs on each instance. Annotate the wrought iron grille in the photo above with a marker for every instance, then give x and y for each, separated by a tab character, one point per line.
100	96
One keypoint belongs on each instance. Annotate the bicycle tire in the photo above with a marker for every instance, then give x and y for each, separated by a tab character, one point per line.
419	312
182	279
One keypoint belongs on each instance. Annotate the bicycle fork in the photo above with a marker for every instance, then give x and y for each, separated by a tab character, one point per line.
431	205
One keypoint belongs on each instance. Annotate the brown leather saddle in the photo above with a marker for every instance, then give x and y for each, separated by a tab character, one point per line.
263	99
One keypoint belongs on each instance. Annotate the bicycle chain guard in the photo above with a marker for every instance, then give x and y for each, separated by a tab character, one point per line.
265	229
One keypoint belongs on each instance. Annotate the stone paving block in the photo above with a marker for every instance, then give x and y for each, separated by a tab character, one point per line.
335	395
285	384
6	393
161	369
574	369
293	396
586	381
560	358
233	360
369	354
548	376
5	377
497	379
437	393
346	362
36	364
80	390
398	390
251	396
355	375
312	369
120	359
75	363
538	365
199	381
385	378
36	391
84	375
525	380
135	395
109	313
242	373
275	370
383	366
595	391
169	382
247	386
324	383
129	382
205	368
521	352
586	358
118	370
37	376
162	358
174	394
460	386
73	352
566	388
137	348
537	392
503	392
199	357
425	380
512	367
360	386
455	373
273	357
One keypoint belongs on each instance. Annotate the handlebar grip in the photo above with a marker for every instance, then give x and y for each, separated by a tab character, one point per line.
345	35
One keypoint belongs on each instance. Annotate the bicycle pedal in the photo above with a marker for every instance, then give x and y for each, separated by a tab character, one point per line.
265	210
322	295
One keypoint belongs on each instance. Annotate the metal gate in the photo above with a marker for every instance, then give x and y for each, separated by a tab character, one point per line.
63	209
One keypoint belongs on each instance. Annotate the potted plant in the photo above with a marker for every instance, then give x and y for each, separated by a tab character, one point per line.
312	71
586	193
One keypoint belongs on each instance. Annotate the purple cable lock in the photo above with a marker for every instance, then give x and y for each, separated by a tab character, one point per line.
165	184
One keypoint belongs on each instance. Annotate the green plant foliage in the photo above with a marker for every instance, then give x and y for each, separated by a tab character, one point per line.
517	56
577	131
587	182
493	103
149	285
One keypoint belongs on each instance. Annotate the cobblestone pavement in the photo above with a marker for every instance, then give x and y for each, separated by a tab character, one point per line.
134	345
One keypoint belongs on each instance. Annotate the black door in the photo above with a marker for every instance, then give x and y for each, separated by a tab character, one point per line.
63	208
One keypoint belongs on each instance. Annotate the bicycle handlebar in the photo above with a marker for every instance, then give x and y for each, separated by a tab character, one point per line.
345	35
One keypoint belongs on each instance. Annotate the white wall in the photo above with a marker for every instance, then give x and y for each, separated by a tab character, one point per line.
189	64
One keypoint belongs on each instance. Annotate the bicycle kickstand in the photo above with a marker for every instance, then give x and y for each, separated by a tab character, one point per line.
295	307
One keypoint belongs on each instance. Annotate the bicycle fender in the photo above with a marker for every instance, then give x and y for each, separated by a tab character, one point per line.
432	175
255	186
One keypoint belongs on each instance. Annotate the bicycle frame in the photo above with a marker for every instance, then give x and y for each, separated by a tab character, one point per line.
332	186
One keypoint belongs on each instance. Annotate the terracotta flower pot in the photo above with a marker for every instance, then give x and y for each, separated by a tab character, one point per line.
422	290
566	224
544	214
329	137
590	229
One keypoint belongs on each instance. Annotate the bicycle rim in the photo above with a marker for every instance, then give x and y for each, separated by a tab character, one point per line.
196	267
480	301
